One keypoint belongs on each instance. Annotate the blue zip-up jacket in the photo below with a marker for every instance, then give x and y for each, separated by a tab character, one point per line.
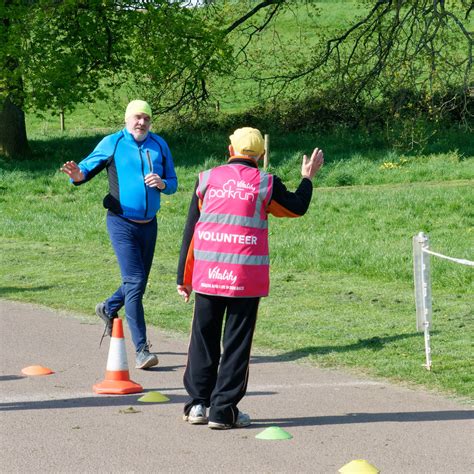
128	162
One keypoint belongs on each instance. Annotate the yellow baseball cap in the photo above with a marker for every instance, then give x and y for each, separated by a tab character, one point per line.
136	107
248	141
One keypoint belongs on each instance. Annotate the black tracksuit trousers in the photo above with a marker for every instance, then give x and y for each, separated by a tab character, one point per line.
220	382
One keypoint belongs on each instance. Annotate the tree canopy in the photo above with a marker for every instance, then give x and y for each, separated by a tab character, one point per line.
394	49
55	54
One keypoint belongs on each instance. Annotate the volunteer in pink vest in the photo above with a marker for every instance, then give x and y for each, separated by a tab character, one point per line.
224	259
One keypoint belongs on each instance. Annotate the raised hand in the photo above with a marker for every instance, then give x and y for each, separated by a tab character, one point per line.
72	170
312	165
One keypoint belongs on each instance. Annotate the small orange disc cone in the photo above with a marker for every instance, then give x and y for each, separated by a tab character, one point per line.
117	378
36	370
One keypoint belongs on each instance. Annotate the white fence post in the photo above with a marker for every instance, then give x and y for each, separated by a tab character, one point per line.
421	270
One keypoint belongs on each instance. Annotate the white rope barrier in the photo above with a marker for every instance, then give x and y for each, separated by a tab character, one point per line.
462	261
422	279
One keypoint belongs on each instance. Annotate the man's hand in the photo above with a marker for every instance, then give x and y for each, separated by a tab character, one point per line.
154	181
73	171
310	167
185	291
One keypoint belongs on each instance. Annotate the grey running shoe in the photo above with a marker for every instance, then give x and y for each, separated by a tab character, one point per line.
197	415
242	421
145	359
106	317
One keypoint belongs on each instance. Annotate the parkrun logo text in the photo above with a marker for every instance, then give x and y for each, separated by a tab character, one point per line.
234	190
217	274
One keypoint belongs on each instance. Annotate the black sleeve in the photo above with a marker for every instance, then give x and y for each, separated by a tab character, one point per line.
193	216
295	203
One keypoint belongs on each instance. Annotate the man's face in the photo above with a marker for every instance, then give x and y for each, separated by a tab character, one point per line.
139	126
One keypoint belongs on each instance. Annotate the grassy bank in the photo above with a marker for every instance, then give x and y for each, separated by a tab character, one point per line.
342	289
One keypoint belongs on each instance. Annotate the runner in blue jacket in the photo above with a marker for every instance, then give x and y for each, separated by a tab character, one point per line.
140	168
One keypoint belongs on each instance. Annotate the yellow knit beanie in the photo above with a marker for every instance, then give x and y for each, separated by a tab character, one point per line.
136	107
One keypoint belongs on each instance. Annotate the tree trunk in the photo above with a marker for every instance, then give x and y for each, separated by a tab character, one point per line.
13	139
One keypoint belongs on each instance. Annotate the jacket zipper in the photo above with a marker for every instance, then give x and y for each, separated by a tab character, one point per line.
144	184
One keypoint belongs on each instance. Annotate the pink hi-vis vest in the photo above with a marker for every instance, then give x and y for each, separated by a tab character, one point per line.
231	237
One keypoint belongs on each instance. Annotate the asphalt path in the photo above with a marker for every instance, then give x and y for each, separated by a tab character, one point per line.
56	423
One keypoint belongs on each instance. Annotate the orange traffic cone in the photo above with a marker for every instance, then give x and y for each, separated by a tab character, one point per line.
117	379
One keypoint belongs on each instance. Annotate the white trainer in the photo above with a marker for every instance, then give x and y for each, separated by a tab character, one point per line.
197	415
242	421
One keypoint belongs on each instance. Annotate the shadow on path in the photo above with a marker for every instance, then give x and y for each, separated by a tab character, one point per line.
101	401
355	418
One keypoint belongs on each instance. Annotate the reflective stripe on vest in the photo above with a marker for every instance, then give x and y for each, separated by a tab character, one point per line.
232	258
231	237
234	220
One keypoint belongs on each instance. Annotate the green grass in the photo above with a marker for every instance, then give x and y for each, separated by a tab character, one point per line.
342	289
342	284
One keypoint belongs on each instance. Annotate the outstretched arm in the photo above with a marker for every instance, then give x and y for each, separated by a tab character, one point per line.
285	203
